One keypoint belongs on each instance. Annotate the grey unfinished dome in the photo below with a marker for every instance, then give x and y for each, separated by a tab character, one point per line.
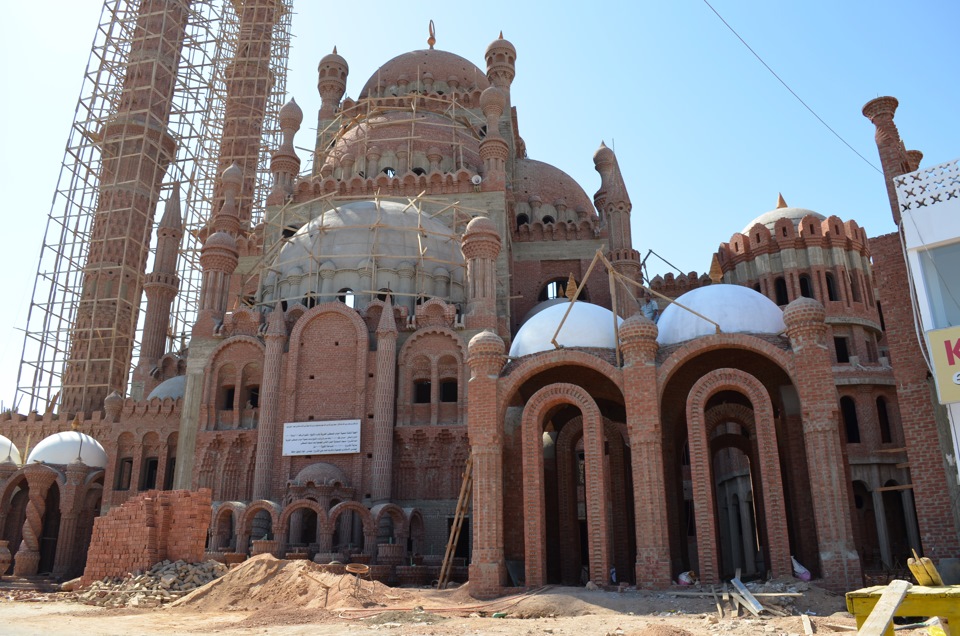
364	248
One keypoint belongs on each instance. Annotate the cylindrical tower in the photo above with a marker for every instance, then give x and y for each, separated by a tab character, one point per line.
136	149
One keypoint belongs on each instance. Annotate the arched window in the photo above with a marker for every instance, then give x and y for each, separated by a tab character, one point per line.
780	287
421	392
884	419
831	287
553	289
522	219
448	390
548	219
806	289
346	296
848	410
855	288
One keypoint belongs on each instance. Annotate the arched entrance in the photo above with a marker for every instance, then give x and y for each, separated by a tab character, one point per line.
576	472
715	389
51	530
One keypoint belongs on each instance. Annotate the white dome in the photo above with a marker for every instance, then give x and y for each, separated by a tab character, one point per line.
63	448
173	388
736	308
587	325
9	449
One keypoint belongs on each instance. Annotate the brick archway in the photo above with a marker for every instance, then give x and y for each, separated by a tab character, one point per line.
701	470
534	530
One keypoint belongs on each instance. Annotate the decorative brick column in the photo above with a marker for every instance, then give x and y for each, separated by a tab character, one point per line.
384	401
486	358
839	562
638	341
27	558
269	426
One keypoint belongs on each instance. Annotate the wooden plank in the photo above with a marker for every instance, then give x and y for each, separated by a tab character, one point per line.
881	617
754	604
931	571
919	572
713	590
889	488
743	602
807	625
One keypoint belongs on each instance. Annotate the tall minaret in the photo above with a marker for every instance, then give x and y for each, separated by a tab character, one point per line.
136	149
160	289
613	204
248	85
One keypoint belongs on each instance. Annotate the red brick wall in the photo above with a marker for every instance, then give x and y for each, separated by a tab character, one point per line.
931	490
156	525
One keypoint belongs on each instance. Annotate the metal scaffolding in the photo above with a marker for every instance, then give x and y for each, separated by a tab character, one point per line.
196	124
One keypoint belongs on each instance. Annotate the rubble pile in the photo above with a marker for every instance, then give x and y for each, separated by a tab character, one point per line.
164	582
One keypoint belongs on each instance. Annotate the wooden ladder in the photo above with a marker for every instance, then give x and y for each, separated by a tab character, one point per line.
462	502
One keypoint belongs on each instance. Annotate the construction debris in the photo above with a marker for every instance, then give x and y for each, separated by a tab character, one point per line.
164	582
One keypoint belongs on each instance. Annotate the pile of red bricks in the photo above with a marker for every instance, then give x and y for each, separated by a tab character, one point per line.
156	525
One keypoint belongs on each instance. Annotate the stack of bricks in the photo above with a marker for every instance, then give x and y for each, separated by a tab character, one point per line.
156	525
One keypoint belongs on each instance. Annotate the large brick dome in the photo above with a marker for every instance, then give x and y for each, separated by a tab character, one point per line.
414	66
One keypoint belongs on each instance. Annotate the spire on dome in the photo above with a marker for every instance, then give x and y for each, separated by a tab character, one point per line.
780	202
433	35
571	287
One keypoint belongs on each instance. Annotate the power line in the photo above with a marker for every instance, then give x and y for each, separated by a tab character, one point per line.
772	72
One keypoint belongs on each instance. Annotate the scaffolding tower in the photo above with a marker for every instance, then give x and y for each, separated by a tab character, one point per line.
196	124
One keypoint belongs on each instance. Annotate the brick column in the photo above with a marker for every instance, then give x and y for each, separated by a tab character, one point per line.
638	338
839	562
384	401
269	426
486	358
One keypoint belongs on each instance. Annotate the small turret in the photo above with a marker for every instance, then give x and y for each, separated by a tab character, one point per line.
331	83
494	150
501	57
893	156
284	163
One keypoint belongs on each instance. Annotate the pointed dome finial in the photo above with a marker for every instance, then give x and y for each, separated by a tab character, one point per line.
780	202
501	35
716	272
433	35
571	287
335	49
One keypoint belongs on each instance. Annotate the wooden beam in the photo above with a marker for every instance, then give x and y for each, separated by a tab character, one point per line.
878	623
752	603
807	625
889	488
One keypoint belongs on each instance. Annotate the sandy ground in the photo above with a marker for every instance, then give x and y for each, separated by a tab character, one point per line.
266	595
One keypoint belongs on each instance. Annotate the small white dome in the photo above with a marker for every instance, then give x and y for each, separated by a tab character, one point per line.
587	325
173	388
9	449
736	308
63	448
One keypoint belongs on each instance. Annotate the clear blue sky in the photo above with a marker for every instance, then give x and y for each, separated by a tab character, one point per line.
706	137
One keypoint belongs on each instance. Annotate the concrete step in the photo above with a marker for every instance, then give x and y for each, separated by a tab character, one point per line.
29	584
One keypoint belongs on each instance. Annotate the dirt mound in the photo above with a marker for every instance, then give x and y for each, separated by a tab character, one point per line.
265	582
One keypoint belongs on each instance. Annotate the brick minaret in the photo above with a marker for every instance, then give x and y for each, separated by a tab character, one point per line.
332	75
932	482
219	255
481	246
248	83
807	330
136	149
486	358
284	163
494	149
893	156
638	337
384	401
269	427
160	289
614	205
